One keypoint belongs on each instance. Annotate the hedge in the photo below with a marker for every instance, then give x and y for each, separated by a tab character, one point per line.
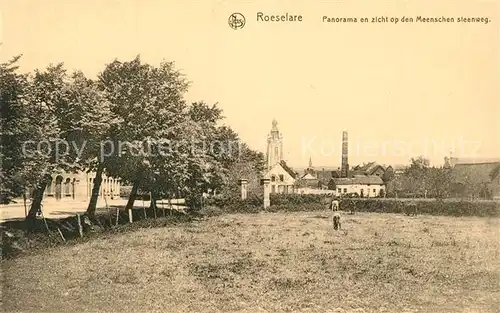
295	202
432	207
298	199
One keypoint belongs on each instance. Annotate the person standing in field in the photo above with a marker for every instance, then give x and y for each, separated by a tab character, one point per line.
335	207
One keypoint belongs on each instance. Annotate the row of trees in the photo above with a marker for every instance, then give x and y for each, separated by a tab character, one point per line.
421	180
132	122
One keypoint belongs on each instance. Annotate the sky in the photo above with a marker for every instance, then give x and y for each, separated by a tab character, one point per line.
400	89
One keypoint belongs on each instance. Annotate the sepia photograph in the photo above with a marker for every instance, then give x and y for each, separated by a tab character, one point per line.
250	156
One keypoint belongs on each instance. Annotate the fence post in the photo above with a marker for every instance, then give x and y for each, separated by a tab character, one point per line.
265	182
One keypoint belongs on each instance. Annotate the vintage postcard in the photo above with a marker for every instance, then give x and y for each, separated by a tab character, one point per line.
250	156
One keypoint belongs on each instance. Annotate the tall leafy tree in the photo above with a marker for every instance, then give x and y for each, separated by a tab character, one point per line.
149	102
438	182
85	120
45	95
15	125
417	175
249	165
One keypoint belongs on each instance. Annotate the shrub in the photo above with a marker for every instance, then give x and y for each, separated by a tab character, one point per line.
279	203
309	207
125	191
211	210
298	199
224	201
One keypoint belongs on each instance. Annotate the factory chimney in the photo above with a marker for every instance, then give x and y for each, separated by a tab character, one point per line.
344	170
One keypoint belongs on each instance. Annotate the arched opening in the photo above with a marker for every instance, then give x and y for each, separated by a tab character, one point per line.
67	187
58	191
112	190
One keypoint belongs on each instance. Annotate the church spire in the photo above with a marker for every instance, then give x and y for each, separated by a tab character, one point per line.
310	162
275	124
274	146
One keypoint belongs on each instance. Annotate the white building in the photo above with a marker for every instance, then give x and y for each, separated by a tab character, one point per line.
281	178
364	186
78	186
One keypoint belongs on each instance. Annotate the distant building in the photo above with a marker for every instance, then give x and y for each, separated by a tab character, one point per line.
479	178
371	168
365	180
282	178
309	179
361	185
66	186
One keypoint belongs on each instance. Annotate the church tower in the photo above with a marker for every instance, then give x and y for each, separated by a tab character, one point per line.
274	146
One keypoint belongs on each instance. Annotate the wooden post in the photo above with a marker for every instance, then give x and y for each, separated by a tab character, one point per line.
25	207
130	219
45	221
163	208
109	212
60	233
80	228
154	209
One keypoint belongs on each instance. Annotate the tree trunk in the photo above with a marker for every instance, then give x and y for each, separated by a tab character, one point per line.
153	204
95	191
24	201
133	195
36	205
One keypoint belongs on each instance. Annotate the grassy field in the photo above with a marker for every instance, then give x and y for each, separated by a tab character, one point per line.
283	262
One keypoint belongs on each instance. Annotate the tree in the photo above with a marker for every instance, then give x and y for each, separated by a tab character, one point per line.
14	119
388	175
149	102
207	158
417	176
439	182
44	98
250	166
382	193
85	123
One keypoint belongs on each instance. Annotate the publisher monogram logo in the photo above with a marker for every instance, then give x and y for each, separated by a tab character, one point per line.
236	20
